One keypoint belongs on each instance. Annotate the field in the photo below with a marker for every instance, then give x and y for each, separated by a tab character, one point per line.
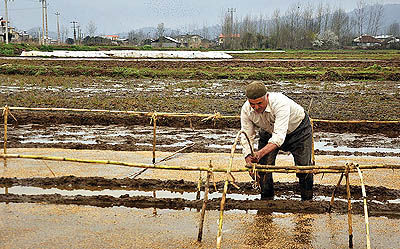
331	85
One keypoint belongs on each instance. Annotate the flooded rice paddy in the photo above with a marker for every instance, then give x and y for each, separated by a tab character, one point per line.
139	137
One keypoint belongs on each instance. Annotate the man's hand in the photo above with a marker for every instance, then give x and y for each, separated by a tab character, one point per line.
251	159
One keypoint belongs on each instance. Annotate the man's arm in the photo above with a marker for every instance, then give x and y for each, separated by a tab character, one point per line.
248	127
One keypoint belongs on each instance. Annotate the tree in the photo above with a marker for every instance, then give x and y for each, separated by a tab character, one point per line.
64	33
340	26
160	30
394	29
375	13
360	15
70	41
326	40
91	29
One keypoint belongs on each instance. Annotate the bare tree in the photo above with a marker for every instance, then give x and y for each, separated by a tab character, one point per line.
394	29
205	32
91	29
360	16
375	13
64	33
160	30
275	31
340	25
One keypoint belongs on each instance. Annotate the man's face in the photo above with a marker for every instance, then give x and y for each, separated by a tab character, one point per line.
259	104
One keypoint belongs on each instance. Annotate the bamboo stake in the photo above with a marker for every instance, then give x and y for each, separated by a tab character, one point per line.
333	194
5	115
297	169
350	219
364	193
199	187
205	200
154	119
49	168
223	199
312	144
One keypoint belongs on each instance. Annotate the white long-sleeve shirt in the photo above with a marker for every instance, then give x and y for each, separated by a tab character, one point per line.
281	116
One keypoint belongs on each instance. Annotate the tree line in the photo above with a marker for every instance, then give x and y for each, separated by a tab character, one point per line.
304	26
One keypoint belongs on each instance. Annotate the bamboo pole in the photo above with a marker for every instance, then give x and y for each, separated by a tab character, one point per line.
5	115
223	199
154	119
135	113
350	219
162	160
364	193
334	191
205	200
206	116
296	169
198	187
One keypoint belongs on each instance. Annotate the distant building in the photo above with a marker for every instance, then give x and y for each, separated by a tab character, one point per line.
381	41
387	40
115	39
165	42
111	37
3	30
222	38
189	41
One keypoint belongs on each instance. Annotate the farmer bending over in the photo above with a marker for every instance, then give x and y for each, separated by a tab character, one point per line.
284	125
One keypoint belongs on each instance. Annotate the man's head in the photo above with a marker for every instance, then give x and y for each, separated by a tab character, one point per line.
256	95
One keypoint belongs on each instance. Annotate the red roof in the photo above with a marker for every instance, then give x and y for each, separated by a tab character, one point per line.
232	35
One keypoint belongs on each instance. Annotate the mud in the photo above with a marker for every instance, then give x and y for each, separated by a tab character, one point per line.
286	199
163	64
140	137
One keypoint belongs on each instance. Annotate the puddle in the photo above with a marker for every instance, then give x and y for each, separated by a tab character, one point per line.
137	137
190	196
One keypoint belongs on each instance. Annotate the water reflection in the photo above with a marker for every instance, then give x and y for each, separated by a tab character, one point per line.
272	230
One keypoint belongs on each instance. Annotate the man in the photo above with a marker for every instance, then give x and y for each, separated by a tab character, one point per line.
284	125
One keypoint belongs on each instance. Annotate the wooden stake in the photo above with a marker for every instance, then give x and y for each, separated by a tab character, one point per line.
199	187
350	219
5	115
364	193
223	199
205	200
333	194
154	118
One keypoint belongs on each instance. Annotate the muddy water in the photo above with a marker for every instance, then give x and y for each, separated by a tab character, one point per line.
138	137
62	226
44	225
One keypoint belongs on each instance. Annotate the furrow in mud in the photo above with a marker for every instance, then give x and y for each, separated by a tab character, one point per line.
284	206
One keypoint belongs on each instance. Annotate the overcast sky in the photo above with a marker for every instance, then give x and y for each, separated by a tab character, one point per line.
117	16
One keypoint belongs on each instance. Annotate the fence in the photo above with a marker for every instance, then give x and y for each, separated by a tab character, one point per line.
344	170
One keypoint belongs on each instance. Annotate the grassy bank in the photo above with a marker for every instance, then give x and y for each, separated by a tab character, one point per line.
374	72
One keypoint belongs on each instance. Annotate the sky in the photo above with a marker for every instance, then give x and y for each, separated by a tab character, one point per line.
117	16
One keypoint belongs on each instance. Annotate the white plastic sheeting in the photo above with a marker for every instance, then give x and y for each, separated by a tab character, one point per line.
131	54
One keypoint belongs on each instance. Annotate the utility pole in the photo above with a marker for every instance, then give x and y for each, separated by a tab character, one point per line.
45	30
231	10
45	13
58	28
42	40
74	23
79	34
6	9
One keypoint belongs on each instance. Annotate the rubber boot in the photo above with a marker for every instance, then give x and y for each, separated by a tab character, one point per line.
267	186
306	182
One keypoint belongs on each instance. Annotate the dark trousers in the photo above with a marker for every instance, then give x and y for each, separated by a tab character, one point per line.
299	144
